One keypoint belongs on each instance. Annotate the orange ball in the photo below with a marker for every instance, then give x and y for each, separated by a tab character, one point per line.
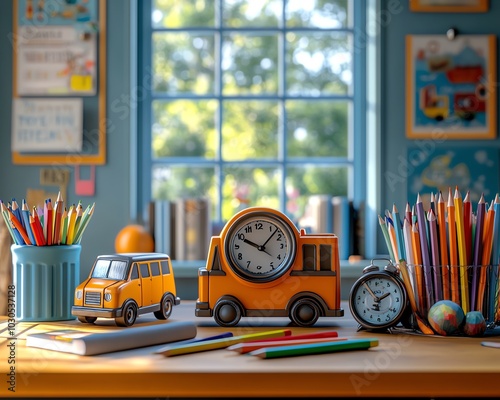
134	239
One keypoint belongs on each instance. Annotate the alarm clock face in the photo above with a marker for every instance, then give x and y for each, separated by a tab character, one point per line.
378	300
260	246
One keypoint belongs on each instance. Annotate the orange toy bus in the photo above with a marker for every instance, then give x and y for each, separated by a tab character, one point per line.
262	266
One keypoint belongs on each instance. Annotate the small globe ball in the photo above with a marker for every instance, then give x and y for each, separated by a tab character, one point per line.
475	325
446	317
134	238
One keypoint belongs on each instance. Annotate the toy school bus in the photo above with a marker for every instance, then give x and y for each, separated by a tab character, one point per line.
262	266
124	285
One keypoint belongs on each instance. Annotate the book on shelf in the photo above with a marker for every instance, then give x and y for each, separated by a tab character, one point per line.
193	228
87	343
164	227
343	224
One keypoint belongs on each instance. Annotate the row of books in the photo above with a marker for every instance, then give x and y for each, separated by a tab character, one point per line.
182	228
338	215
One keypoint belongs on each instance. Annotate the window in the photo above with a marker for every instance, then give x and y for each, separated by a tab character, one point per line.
144	270
155	268
250	102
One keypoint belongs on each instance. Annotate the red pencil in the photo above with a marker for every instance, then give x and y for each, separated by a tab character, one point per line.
48	221
244	348
38	227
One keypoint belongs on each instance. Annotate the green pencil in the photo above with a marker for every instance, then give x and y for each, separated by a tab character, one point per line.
315	348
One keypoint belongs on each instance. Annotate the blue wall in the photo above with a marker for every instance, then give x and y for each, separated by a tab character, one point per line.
396	26
112	194
113	187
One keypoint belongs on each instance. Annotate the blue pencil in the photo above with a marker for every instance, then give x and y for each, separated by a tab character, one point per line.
399	232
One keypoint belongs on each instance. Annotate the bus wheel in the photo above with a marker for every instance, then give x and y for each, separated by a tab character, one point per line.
165	310
128	316
227	313
304	312
87	320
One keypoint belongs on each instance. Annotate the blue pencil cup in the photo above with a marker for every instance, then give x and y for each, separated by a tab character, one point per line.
45	278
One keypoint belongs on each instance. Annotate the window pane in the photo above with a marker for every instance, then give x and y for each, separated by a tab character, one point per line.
242	13
245	186
317	13
183	63
317	128
172	183
301	182
175	13
250	130
184	128
318	63
249	64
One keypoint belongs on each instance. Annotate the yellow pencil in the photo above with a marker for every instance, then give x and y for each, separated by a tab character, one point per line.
71	224
222	343
462	252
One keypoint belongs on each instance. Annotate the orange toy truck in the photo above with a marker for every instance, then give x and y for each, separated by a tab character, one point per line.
261	265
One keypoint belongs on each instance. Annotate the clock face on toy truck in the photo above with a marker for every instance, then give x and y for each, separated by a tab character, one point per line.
261	265
260	246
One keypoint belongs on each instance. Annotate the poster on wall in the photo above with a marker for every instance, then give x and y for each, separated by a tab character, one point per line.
56	47
451	87
470	169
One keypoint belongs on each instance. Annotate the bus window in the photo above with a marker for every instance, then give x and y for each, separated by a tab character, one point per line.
135	273
325	257
144	270
309	257
165	269
155	268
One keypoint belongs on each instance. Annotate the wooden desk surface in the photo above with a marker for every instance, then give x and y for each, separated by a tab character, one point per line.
403	365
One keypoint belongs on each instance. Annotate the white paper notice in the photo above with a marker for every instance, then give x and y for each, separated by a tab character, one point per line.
47	125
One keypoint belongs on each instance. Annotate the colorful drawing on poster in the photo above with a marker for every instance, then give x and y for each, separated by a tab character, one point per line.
56	44
451	88
473	170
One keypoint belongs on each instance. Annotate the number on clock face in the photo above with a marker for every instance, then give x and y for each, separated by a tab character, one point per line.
259	247
378	301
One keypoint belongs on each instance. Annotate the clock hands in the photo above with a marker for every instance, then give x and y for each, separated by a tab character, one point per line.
375	297
258	247
269	238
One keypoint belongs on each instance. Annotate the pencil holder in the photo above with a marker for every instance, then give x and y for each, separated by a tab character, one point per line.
45	278
473	288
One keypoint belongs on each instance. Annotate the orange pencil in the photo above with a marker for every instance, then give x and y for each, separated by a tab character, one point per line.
487	246
452	241
417	256
462	252
443	247
392	237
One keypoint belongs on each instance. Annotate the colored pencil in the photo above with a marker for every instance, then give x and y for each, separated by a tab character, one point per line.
426	263
58	211
315	348
48	216
435	261
244	348
392	237
398	232
17	226
196	340
85	221
64	226
222	343
419	293
25	212
387	239
478	250
5	215
452	241
467	222
38	226
38	240
494	270
408	213
443	246
71	224
486	256
462	252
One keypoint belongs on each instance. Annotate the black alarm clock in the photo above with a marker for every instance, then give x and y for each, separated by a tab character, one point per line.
378	299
